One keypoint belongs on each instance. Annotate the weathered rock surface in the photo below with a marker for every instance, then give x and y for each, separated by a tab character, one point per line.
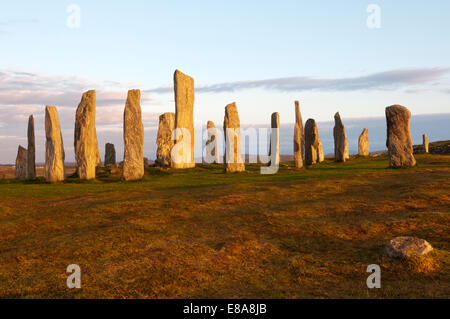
85	137
21	163
31	153
164	139
320	155
232	131
212	146
54	150
405	247
133	137
299	137
340	140
311	142
426	143
275	138
184	118
110	154
399	141
363	143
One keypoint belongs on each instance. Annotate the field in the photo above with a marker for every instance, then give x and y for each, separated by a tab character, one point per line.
200	233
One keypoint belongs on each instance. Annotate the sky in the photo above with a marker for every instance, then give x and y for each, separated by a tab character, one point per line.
261	54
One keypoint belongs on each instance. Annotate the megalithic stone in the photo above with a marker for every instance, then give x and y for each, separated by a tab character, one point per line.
54	150
110	154
426	143
232	132
21	163
399	141
85	137
340	140
363	143
320	155
184	119
275	126
311	142
133	136
31	154
212	146
164	139
299	137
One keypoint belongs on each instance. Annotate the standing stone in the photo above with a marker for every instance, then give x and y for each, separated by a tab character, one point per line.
212	146
133	136
110	154
54	150
399	141
311	142
426	143
184	118
363	143
21	163
299	137
232	131
320	156
164	139
275	134
85	137
31	157
340	140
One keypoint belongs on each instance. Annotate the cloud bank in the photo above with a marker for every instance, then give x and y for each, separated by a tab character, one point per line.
376	81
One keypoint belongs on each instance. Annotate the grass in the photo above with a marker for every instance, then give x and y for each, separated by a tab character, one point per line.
200	233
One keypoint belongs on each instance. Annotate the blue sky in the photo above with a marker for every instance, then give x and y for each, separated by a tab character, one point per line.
261	54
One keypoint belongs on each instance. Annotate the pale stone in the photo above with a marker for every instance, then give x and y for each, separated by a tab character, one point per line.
54	149
311	142
232	131
212	146
184	119
275	134
85	137
363	143
426	143
299	137
31	157
406	247
320	155
340	140
399	141
110	154
164	139
21	163
133	136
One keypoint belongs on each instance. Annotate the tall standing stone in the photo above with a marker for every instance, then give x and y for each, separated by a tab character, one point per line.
21	163
232	131
85	137
164	139
275	138
299	137
31	154
340	140
133	136
320	155
54	150
399	141
426	143
311	142
212	146
110	154
363	143
184	119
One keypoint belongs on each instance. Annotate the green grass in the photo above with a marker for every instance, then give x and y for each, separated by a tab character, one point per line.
201	233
